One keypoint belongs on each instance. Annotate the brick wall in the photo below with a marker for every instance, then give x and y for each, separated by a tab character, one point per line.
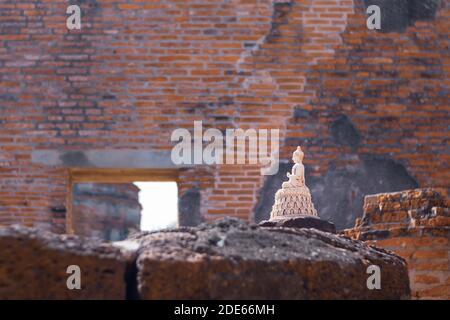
360	102
414	224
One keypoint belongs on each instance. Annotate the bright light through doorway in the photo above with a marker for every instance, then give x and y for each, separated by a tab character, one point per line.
159	202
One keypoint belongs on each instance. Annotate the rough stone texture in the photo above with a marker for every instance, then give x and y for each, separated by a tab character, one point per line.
415	224
301	222
230	259
33	265
106	211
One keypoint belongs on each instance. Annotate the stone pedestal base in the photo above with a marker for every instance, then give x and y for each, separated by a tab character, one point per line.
307	222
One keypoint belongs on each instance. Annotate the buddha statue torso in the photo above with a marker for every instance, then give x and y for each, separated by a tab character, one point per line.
297	178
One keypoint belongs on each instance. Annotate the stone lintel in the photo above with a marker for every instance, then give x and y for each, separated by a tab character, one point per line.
106	158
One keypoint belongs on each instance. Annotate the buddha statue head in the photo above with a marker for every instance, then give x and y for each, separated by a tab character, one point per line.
298	155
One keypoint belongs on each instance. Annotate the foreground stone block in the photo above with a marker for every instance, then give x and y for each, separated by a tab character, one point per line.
227	259
33	265
231	259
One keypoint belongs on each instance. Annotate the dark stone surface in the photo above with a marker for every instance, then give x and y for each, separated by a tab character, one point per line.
300	113
423	9
339	195
344	133
189	208
397	15
280	17
301	222
75	159
230	259
394	14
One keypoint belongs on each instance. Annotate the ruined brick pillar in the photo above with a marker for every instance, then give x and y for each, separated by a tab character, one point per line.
415	224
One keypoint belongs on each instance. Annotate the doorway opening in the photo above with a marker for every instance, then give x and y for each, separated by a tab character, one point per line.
113	204
159	201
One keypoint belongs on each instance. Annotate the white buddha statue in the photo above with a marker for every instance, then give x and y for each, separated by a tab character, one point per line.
297	178
294	198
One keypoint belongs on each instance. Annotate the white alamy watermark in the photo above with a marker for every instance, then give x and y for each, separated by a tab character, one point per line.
374	281
374	21
74	280
228	148
73	22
